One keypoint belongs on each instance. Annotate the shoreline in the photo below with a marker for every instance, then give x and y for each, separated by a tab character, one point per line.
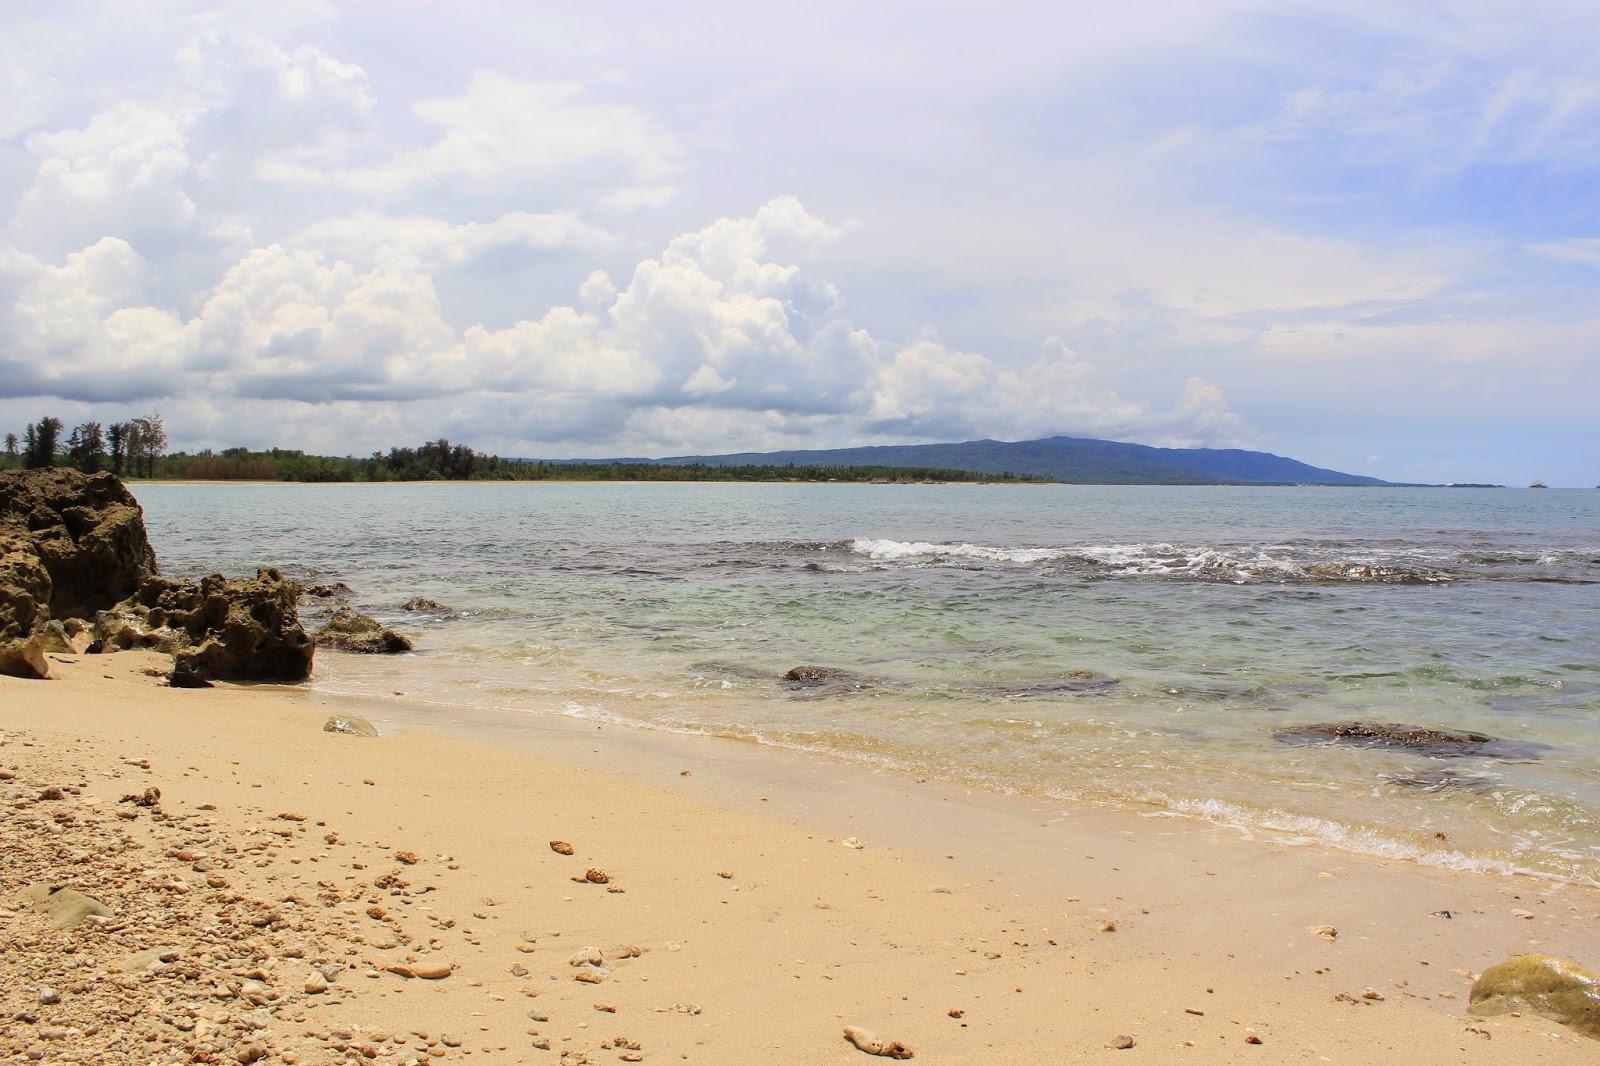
955	901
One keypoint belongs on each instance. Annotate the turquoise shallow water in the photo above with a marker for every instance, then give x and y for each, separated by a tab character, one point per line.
1223	615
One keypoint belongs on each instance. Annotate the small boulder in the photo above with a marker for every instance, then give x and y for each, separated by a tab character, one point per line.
350	630
1540	984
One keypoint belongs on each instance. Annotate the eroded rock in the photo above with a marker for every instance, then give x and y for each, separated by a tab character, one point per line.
350	630
242	629
70	544
1541	984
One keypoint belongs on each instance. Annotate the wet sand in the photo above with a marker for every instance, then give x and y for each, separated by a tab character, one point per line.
269	904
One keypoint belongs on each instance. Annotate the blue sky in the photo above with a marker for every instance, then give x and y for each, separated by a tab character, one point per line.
1366	235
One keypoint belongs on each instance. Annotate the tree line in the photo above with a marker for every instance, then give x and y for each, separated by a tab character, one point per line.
131	448
136	448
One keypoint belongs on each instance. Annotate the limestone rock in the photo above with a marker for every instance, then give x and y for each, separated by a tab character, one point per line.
219	629
86	529
350	630
1543	985
70	544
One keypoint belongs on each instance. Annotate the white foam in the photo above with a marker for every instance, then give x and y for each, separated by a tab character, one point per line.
893	550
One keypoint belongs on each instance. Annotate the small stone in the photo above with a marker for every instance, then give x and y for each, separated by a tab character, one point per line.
316	984
561	847
1373	994
49	996
1122	1043
1251	1038
449	1041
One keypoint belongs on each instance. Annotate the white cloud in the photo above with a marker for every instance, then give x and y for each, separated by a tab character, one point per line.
78	330
504	135
122	174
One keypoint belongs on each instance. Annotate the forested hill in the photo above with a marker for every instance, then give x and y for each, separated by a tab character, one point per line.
1078	460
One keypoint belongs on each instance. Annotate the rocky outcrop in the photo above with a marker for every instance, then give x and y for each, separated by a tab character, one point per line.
245	629
350	630
71	544
1540	984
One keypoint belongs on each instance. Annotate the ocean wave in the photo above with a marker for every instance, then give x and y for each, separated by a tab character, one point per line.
1240	564
900	550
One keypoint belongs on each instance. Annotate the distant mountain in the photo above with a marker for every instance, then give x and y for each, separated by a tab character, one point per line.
1074	460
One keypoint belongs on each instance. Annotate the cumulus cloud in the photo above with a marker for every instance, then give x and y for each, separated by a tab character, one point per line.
717	333
502	133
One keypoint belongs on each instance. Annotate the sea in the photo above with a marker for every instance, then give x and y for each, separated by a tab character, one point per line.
1145	648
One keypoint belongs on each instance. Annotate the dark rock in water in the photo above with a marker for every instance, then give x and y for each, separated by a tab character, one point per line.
71	544
1439	780
1540	984
421	603
245	629
1420	740
336	591
350	630
1070	683
349	724
830	678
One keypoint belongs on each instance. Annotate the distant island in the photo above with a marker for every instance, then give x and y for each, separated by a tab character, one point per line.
137	449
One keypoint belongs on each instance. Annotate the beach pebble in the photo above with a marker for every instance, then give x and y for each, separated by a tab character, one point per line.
316	984
561	847
1122	1043
49	996
852	843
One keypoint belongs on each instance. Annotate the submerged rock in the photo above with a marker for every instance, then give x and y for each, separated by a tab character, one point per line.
336	591
1420	740
827	678
1071	682
350	630
422	603
1439	780
349	724
1540	984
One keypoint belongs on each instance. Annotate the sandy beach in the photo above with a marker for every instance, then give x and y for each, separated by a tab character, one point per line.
722	903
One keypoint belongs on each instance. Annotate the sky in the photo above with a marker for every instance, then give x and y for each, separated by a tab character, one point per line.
1362	234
